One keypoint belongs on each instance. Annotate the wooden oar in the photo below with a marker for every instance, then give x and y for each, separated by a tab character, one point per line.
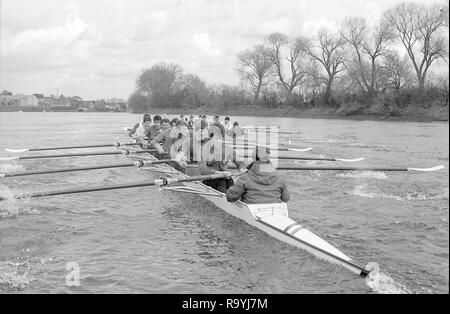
298	150
160	182
375	169
123	152
312	158
140	163
24	150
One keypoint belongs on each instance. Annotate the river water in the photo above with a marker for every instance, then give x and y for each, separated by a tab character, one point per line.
145	241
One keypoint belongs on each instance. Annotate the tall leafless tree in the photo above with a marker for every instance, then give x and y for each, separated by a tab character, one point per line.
397	72
329	52
289	57
254	67
368	45
419	28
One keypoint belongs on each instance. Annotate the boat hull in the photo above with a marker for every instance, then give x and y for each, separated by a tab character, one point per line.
272	219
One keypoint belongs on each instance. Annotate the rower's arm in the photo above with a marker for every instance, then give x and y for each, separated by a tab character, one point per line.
158	138
204	169
133	130
236	192
285	195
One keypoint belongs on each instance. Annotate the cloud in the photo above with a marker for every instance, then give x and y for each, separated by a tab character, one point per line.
150	25
203	44
281	25
92	48
312	27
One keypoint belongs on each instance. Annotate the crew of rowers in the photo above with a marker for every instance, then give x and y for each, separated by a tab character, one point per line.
209	144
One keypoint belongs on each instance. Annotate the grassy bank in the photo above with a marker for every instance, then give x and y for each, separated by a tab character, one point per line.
377	112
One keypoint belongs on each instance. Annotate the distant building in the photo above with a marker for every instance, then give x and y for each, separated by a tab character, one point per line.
19	100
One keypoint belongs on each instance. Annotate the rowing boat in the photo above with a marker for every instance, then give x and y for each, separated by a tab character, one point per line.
273	219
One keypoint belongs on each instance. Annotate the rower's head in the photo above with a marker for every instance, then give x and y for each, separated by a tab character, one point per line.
204	118
147	120
236	123
165	124
261	154
227	119
216	119
174	122
157	120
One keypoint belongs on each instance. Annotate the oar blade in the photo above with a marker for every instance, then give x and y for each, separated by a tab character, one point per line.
9	158
17	151
437	168
350	160
300	150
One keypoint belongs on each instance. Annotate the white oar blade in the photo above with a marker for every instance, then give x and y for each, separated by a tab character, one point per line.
17	151
300	149
350	160
427	169
9	158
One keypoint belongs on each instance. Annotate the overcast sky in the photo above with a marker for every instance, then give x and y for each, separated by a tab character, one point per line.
96	48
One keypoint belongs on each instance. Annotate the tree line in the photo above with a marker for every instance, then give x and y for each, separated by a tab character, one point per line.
362	62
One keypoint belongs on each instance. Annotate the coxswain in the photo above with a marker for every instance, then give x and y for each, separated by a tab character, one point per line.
261	184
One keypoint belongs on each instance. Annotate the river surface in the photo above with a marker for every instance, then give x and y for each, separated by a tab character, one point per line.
143	240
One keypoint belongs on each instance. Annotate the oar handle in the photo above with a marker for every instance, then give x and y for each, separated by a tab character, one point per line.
160	182
83	146
77	191
123	152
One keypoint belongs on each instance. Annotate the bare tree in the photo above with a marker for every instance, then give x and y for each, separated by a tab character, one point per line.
397	72
369	45
254	67
419	29
329	53
293	57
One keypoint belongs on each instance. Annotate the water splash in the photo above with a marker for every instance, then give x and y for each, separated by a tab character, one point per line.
8	208
382	283
14	276
362	190
363	175
6	168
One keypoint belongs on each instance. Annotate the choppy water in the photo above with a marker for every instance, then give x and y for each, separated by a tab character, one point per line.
145	241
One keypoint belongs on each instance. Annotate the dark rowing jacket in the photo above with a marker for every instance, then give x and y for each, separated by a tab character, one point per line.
260	185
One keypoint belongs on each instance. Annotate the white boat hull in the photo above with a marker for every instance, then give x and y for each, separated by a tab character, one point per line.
272	219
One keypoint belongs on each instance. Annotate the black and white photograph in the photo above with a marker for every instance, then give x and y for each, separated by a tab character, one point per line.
220	154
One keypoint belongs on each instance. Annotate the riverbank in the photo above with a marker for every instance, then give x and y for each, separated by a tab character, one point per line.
376	112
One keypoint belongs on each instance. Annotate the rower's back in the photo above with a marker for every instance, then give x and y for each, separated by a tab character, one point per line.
259	185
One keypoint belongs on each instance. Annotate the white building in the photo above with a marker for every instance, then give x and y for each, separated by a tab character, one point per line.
19	99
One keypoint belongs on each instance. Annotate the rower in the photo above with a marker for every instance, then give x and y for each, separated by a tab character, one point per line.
183	119
162	141
228	127
217	128
139	129
260	184
191	123
153	130
215	156
165	124
236	131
